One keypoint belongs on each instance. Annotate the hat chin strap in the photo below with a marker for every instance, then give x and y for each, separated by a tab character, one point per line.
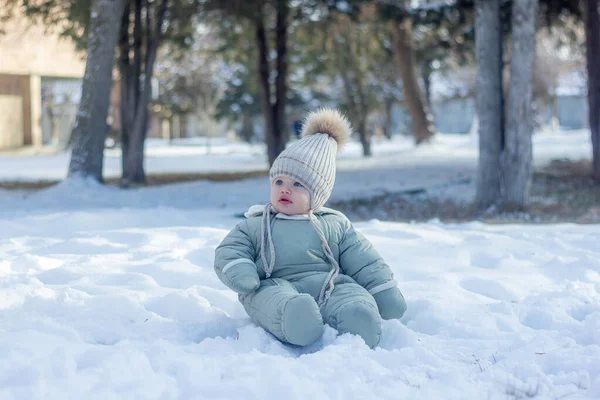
265	227
328	285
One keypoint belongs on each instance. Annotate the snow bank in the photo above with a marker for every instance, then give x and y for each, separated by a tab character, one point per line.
123	303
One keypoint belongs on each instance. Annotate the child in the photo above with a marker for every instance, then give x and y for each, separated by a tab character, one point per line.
296	264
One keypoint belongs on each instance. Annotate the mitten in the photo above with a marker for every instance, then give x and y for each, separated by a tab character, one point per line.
241	276
391	303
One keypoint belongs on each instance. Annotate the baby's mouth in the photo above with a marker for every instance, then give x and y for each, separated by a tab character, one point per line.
285	200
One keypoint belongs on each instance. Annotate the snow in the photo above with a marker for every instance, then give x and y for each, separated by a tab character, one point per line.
396	166
110	294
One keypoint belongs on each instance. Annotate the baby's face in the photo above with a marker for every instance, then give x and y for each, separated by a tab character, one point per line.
289	197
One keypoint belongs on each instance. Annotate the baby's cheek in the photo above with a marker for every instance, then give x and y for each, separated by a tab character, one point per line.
273	194
306	200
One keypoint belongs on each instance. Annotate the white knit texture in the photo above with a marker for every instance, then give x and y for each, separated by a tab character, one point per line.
310	161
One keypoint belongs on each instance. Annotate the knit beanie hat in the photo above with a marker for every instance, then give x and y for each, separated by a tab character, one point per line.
311	160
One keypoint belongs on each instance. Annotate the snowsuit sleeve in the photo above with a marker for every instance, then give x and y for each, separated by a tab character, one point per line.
234	261
360	260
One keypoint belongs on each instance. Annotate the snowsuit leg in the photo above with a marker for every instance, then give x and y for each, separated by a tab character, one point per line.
277	307
352	309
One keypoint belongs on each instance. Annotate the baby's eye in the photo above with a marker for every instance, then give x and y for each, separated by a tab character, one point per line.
298	184
279	182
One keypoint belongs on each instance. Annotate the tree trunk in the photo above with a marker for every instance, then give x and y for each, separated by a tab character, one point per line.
247	128
426	74
89	132
517	155
133	163
130	75
387	125
365	136
137	52
357	105
273	113
343	54
347	51
280	130
489	102
357	108
592	40
265	88
125	85
405	63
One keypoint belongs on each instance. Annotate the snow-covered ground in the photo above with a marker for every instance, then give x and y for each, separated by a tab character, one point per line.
446	167
124	304
194	156
110	294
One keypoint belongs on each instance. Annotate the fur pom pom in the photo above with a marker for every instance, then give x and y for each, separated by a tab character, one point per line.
329	121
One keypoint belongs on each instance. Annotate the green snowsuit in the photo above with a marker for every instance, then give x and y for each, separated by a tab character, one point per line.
285	304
